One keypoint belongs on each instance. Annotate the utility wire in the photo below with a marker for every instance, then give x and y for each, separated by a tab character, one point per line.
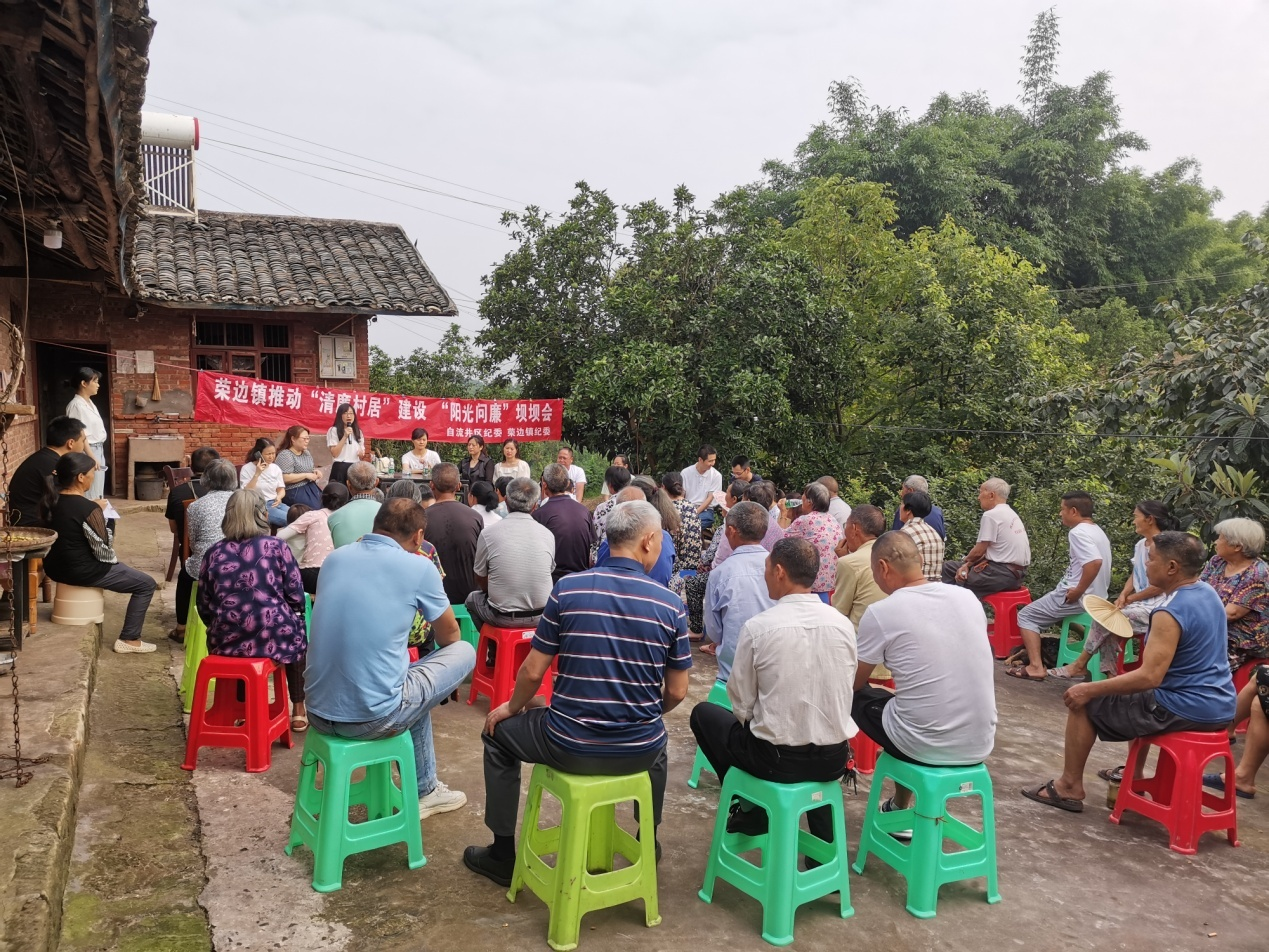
251	188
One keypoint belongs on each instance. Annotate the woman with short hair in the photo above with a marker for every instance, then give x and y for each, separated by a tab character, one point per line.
84	554
419	460
813	523
251	597
204	517
261	474
1241	579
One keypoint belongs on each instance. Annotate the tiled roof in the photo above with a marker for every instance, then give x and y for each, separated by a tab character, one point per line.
267	261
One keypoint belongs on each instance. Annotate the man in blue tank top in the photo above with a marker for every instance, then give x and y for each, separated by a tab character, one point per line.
1183	683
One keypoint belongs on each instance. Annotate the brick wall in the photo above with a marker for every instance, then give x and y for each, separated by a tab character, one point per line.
70	313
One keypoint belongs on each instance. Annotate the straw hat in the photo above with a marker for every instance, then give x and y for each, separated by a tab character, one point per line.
1108	616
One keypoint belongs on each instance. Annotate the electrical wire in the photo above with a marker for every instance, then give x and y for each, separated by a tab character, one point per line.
220	199
250	188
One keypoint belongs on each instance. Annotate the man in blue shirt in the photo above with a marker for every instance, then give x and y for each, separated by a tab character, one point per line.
737	589
358	680
664	569
919	484
623	660
1183	683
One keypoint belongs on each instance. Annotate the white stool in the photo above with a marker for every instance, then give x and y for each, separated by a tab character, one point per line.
75	605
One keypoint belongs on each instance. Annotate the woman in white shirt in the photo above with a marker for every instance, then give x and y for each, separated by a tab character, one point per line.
345	442
87	382
420	460
262	474
512	465
484	500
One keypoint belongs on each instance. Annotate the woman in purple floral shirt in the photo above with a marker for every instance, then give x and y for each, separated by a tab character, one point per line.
1241	579
814	524
251	597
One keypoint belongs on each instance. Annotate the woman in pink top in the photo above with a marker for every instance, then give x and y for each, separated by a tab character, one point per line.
814	524
317	540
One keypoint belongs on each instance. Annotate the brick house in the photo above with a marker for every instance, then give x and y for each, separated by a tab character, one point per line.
144	295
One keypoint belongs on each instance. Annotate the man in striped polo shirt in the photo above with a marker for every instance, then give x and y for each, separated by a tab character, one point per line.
621	642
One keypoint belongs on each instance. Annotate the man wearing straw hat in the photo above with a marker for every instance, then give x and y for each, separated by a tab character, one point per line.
1183	683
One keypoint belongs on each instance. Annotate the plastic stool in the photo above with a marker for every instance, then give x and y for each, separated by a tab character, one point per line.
778	884
1241	677
320	819
585	844
195	650
265	721
923	861
1003	630
498	683
77	605
466	627
1068	652
1174	795
717	695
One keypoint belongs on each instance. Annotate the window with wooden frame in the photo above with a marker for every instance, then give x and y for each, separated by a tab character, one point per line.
245	349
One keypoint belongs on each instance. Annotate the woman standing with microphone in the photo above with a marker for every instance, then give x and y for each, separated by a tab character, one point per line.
345	442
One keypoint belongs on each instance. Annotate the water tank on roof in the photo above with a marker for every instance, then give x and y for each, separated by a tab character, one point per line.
168	144
159	128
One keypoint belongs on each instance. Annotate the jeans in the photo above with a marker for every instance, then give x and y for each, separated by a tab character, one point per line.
522	739
123	578
428	682
277	514
707	518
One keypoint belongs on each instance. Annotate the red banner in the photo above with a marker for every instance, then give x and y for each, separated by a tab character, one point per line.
265	405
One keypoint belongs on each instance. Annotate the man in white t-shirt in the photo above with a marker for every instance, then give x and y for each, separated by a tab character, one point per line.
999	559
576	475
933	638
1087	573
701	481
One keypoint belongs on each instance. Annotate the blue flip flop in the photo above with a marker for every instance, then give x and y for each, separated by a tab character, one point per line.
1217	782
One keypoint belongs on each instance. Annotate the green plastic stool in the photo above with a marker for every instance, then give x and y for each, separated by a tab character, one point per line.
923	861
1068	652
466	627
195	652
778	883
717	695
583	878
308	614
320	819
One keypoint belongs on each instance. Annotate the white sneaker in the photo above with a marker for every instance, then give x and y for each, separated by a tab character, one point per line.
888	806
128	647
441	800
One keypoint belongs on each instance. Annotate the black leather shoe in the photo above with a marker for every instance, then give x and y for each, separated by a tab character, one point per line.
478	860
750	823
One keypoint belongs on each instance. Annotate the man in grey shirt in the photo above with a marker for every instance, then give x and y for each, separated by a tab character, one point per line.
736	591
514	561
933	638
788	690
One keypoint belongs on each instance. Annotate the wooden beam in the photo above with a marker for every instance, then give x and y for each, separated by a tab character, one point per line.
22	28
51	271
43	127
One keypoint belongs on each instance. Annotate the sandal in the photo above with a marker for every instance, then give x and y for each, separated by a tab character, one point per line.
299	724
1020	672
1112	774
1217	782
1065	673
1047	794
709	648
176	637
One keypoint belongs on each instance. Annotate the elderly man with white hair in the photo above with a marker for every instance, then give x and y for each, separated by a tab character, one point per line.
919	484
664	567
620	640
514	561
999	559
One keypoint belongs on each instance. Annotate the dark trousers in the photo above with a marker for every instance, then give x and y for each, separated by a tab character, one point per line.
522	740
338	472
309	578
130	581
482	613
728	743
184	589
294	682
985	578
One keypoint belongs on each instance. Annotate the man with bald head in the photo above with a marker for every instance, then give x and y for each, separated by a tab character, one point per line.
933	638
620	641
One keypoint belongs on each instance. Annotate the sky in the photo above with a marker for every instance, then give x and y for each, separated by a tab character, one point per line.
462	110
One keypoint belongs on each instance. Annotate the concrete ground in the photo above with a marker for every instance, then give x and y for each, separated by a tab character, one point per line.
1068	881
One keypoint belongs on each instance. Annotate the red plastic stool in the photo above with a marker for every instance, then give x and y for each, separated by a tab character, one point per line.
1174	795
865	749
263	722
498	682
1241	677
1002	630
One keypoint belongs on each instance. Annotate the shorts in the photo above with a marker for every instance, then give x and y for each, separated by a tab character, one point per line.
1125	717
1046	611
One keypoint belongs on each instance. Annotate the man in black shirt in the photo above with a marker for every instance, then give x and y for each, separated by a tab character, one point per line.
569	521
30	480
454	529
199	460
